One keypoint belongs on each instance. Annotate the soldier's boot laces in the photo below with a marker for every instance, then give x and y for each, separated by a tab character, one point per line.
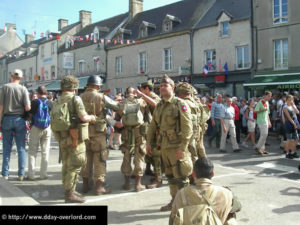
100	189
138	184
148	170
71	197
167	207
155	183
85	185
126	185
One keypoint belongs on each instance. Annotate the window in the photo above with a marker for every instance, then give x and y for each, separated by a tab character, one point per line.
143	32
242	56
96	34
96	64
67	43
81	66
210	59
119	90
281	54
52	72
42	51
167	59
225	29
30	74
280	11
119	65
167	26
53	48
142	63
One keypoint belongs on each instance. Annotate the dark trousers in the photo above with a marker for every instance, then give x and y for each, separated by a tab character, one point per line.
238	126
217	132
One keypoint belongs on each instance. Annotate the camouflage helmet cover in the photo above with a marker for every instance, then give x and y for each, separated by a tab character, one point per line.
69	83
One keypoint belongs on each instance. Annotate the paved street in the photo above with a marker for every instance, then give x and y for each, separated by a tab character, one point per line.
267	186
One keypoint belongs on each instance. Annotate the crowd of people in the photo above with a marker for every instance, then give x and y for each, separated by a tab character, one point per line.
165	131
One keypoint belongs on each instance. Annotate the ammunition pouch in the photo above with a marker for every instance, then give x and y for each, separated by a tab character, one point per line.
104	153
83	129
172	137
100	125
144	128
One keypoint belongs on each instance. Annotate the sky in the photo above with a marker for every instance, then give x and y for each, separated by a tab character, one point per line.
43	15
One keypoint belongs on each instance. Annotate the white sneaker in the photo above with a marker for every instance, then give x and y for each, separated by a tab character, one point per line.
244	144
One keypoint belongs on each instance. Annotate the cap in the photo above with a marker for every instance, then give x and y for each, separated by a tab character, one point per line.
167	79
18	73
148	83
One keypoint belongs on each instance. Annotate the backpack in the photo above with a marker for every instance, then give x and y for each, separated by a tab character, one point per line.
202	214
205	115
60	116
132	115
41	118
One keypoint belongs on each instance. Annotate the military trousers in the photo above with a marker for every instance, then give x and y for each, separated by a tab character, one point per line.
176	171
96	155
73	158
133	144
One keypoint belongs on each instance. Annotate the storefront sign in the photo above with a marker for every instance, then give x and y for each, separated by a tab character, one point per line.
47	61
68	60
288	86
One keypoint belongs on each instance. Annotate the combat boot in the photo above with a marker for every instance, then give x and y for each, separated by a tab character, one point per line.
71	197
100	189
155	183
148	170
126	185
138	184
167	207
85	185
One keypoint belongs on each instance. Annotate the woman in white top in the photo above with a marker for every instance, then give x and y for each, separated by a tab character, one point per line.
251	123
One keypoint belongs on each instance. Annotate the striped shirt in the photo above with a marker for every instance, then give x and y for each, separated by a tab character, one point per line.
216	110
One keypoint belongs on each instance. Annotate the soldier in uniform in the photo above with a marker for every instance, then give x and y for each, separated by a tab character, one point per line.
171	129
133	140
72	149
185	91
96	150
155	160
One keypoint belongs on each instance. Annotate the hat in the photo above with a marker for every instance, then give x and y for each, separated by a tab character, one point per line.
18	73
185	88
167	79
148	83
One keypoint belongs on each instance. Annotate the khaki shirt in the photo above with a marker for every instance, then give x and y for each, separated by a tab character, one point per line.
171	116
131	99
96	103
196	115
221	204
79	107
156	98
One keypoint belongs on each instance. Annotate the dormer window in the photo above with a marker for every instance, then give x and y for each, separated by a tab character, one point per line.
122	34
67	43
96	34
146	28
167	26
169	22
143	32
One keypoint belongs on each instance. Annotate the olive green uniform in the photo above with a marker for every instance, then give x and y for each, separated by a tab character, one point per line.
96	150
73	158
133	141
205	114
171	129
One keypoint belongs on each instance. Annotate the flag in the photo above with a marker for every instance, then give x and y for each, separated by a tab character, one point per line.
226	69
87	37
4	28
220	67
57	36
92	36
50	36
102	40
42	34
133	42
205	70
128	42
139	41
108	41
72	42
33	33
122	42
115	42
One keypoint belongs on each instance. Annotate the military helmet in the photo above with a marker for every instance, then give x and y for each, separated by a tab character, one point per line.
147	84
69	82
185	88
167	79
94	80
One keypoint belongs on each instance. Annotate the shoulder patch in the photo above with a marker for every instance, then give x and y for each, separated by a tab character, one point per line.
183	107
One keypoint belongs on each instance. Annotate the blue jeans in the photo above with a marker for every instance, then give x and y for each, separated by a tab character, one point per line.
13	126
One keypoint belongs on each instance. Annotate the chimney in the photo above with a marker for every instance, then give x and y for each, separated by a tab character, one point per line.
135	7
10	26
85	18
62	23
29	38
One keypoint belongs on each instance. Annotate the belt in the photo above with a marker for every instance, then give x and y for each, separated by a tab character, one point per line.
12	115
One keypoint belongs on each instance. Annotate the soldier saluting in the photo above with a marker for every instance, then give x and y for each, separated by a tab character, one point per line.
171	129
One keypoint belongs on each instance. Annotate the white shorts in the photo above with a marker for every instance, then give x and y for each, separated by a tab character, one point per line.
251	126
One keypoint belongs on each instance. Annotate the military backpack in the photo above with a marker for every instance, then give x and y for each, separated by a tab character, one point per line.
201	214
132	114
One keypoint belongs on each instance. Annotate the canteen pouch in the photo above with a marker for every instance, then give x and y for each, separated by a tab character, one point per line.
104	155
144	128
83	131
100	125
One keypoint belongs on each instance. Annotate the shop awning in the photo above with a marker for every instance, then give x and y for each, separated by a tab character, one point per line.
55	85
274	81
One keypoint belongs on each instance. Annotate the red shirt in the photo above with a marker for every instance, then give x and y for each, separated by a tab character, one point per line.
236	112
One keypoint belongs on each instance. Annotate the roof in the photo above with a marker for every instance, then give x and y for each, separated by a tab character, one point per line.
182	13
106	26
236	9
55	85
69	27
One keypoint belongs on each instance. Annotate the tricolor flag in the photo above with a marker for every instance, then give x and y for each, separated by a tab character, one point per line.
5	28
122	42
128	42
205	70
50	36
102	40
226	69
108	41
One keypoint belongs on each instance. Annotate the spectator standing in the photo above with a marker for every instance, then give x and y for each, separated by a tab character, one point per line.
291	127
215	115
250	116
227	122
40	133
14	102
262	110
237	121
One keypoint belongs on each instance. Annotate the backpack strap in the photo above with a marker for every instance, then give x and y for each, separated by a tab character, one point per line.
183	198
